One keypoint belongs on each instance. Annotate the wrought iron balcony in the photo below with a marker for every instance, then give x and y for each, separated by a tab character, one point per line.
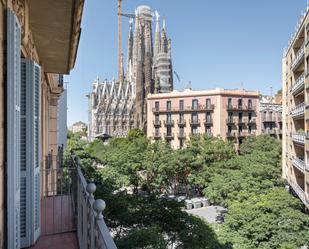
199	108
241	121
181	135
298	163
298	57
230	120
299	84
269	131
298	111
169	135
298	137
157	135
157	123
240	107
252	121
194	122
208	121
168	122
181	122
299	192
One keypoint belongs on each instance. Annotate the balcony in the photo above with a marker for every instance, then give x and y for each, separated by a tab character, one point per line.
181	135
208	121
168	122
299	84
252	121
298	111
157	123
157	135
299	138
230	121
299	192
269	119
242	134
240	108
181	122
169	135
241	121
194	122
269	131
298	57
230	134
70	216
200	108
298	163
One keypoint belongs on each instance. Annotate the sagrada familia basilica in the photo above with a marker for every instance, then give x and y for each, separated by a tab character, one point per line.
119	105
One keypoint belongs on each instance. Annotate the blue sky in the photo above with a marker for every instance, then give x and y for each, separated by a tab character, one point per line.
215	43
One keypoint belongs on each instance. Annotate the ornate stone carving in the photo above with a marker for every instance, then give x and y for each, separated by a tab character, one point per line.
19	8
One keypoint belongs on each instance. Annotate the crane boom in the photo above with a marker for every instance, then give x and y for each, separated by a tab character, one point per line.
120	76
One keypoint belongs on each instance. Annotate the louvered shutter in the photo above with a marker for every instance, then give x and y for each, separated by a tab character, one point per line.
13	130
30	153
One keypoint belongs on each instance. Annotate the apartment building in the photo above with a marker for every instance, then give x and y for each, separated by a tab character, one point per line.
39	44
295	85
175	116
270	116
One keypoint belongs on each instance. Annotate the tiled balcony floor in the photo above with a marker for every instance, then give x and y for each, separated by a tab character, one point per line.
57	241
57	224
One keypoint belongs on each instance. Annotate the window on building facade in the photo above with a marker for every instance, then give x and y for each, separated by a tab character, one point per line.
240	128
157	118
194	130
157	132
208	130
181	105
239	103
194	104
157	105
180	143
194	117
208	117
250	103
169	130
250	129
229	103
265	115
240	117
249	116
271	116
168	105
168	118
230	117
229	129
181	118
208	103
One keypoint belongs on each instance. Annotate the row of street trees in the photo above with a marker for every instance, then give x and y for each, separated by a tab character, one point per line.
262	214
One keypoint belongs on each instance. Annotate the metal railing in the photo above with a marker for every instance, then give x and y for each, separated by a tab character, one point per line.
298	163
198	108
299	83
300	192
194	121
168	122
299	55
169	135
298	110
181	135
92	231
298	138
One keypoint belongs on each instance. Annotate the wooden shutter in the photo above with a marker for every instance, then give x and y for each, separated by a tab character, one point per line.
30	152
13	130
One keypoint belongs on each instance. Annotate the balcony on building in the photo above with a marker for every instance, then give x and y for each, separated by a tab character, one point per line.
187	109
181	122
168	122
269	119
298	111
230	121
298	162
242	107
169	135
298	137
299	192
242	134
269	131
299	57
181	135
230	134
299	84
241	121
194	122
208	121
252	121
70	216
156	135
157	123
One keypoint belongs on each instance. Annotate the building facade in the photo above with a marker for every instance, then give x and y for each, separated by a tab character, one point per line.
115	107
270	116
78	127
175	116
295	83
39	42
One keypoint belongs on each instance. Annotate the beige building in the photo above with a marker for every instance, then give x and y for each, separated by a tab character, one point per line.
78	127
175	116
295	84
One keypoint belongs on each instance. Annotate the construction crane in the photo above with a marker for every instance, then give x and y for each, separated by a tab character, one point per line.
120	55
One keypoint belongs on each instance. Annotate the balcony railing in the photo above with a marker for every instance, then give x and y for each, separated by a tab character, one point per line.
181	122
199	108
169	135
298	163
252	121
157	135
241	121
298	57
168	122
299	138
92	231
208	121
194	122
157	123
230	107
298	111
299	84
300	192
269	131
181	135
230	120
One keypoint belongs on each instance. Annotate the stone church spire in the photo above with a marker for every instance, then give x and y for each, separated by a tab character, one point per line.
130	50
